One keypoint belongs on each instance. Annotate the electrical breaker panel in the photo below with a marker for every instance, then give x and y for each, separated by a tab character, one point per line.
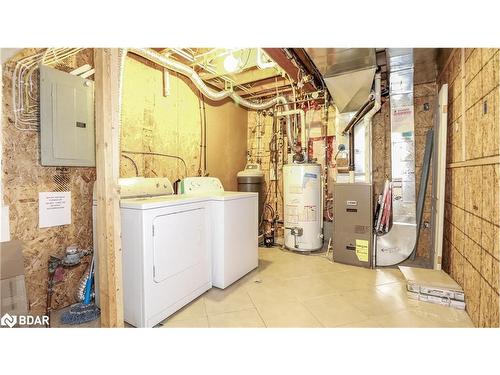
67	136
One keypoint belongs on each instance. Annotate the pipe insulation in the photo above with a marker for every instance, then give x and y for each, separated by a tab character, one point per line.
210	93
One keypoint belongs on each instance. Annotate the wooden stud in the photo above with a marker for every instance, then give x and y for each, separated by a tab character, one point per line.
476	162
107	77
249	76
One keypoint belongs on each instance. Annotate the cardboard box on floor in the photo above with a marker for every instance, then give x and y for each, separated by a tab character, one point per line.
12	283
434	286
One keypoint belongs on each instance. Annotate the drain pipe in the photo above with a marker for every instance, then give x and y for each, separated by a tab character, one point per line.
214	95
365	113
302	115
349	130
368	121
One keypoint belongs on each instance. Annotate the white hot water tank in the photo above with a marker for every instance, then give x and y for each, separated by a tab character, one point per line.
302	207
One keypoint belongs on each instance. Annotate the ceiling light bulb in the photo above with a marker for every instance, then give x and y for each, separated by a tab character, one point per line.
231	63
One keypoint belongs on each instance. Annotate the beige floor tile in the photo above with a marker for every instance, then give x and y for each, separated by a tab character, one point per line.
373	302
236	319
301	266
296	290
246	281
313	286
405	319
443	316
186	323
193	310
398	291
332	311
365	277
362	324
230	299
287	315
270	291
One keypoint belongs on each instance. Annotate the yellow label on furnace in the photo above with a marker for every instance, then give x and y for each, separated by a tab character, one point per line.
362	250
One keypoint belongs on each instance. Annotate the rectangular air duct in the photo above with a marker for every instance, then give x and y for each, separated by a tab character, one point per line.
348	74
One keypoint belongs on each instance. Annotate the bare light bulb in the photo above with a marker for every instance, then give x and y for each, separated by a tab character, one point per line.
231	63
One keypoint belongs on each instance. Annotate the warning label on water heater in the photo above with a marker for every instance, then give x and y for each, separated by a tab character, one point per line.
295	214
308	214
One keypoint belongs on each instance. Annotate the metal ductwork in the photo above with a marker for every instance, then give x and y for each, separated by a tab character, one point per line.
348	74
398	244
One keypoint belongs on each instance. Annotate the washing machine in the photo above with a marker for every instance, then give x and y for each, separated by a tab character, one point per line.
234	227
166	249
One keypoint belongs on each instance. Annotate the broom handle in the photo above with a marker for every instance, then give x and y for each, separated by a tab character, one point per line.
88	287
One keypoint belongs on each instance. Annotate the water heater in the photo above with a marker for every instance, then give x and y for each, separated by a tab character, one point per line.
302	207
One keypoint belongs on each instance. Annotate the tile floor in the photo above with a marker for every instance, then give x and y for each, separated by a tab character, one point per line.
295	290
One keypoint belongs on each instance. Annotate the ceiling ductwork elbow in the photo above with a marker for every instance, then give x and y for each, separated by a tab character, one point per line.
348	74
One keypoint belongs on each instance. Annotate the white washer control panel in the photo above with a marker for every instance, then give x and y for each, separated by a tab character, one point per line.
196	185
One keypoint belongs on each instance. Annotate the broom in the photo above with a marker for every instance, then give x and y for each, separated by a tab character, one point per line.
85	311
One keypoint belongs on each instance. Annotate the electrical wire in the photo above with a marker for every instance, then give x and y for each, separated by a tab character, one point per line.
159	154
24	96
133	162
201	134
204	135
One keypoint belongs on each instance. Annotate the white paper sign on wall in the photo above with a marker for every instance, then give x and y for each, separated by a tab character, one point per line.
54	208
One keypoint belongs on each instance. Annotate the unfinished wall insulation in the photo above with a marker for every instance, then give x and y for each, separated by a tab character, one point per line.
23	179
171	124
424	95
471	249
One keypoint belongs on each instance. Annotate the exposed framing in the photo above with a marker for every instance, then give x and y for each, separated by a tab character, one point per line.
109	257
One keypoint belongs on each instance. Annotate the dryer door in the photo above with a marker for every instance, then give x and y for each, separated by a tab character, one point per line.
179	243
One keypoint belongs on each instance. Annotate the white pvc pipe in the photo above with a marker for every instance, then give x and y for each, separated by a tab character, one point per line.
368	118
302	115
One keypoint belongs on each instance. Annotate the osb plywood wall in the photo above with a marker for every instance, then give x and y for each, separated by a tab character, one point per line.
471	249
170	124
424	94
260	149
151	122
23	178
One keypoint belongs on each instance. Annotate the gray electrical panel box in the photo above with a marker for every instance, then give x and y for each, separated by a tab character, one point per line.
67	136
353	224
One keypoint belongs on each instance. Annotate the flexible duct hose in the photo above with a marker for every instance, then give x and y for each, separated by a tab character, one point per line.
181	69
207	91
